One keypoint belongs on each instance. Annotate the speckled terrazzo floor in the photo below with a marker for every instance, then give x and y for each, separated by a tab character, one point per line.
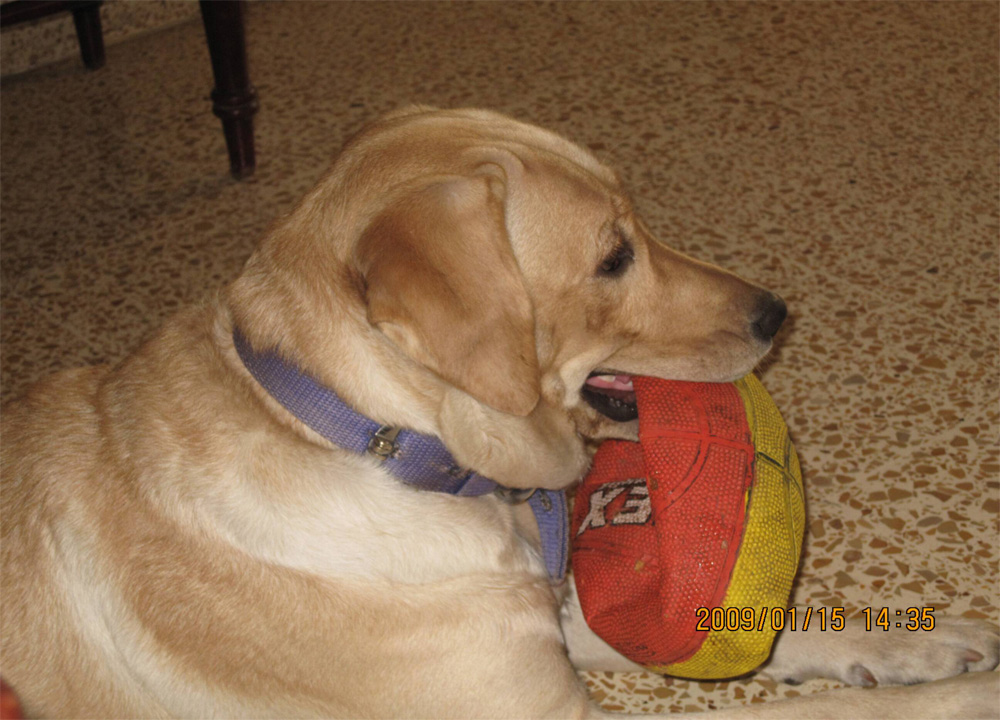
845	155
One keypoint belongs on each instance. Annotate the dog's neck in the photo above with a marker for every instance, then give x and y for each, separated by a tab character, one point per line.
419	460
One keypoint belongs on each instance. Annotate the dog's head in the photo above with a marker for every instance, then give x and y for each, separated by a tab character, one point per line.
463	273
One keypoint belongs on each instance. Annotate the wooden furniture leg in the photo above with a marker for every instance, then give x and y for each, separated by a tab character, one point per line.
86	18
234	99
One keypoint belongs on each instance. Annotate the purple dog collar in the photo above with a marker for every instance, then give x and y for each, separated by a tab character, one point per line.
419	460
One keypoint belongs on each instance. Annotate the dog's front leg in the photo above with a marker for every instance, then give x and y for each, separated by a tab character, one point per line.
853	655
866	654
969	696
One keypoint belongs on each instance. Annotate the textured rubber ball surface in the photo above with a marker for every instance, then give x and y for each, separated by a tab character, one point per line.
706	511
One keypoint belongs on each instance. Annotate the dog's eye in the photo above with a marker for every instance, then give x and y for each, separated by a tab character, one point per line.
618	261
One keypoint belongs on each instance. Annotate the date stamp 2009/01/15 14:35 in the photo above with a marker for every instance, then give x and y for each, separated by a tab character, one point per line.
802	618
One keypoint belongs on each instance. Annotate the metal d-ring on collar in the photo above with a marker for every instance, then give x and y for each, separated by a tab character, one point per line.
383	445
383	442
421	461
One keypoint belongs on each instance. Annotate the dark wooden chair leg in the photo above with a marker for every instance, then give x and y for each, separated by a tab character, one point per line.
234	99
87	19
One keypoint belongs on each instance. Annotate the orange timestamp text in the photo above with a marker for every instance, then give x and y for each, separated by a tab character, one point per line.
801	619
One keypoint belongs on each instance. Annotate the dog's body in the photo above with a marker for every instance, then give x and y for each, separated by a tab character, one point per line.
176	543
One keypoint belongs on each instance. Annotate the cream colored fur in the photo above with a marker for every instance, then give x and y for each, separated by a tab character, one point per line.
175	543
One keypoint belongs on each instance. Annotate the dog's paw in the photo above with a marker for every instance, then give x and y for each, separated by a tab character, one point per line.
857	656
902	657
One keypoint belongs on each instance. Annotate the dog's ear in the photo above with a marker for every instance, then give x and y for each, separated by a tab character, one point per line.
442	283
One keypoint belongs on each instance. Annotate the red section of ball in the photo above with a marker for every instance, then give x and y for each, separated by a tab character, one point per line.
657	524
10	708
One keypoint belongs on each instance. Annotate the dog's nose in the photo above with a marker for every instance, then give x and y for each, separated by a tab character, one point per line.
770	312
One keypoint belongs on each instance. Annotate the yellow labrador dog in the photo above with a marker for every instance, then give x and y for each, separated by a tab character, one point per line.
185	534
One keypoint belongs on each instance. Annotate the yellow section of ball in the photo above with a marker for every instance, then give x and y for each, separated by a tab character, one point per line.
769	554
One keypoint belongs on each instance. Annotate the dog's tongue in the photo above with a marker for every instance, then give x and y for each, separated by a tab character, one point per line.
611	382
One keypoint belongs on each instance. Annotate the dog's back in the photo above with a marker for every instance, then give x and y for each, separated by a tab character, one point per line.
50	447
78	522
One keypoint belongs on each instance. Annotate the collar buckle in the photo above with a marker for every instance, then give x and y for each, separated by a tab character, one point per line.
513	496
383	443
